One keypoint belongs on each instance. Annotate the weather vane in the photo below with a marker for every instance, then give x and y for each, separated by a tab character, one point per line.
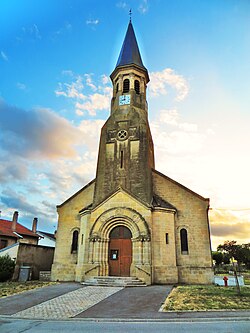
130	14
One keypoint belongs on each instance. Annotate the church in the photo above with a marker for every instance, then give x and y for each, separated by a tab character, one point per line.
132	220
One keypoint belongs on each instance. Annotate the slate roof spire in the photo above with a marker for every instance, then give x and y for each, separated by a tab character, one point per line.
130	53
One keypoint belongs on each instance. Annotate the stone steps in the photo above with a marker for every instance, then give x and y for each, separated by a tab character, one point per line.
114	281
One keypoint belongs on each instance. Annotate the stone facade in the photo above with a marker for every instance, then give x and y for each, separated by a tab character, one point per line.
168	223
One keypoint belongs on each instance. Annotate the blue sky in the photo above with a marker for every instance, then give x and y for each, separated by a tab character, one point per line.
55	62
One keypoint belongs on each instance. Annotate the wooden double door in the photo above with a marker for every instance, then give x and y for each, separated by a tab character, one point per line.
120	251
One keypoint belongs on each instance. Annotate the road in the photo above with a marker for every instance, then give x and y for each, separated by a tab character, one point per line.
9	325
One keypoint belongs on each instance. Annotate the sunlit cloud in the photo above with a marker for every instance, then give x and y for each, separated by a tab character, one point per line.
228	224
179	137
161	82
36	134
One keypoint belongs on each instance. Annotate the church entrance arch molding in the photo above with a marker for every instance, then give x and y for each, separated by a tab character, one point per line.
120	216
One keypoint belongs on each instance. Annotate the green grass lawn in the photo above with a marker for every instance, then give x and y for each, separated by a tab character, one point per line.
202	298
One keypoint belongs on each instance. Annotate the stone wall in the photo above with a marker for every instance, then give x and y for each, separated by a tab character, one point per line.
38	258
196	265
64	265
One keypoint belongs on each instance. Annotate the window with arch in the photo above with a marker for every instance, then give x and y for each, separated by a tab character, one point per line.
137	87
184	241
126	86
74	245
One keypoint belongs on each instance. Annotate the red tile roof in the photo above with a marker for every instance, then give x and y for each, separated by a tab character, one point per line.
5	230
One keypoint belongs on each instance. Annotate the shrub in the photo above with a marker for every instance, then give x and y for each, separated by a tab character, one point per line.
7	266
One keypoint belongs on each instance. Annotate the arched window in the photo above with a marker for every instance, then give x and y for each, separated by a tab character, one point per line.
74	245
126	86
184	241
137	87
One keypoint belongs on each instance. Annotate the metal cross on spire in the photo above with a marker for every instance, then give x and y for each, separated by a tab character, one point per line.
130	14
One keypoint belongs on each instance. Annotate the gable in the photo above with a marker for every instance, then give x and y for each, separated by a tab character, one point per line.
121	198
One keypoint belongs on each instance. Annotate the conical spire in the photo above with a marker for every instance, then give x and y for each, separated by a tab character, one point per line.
130	53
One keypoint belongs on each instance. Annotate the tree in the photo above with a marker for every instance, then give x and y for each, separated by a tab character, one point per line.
241	253
7	266
218	257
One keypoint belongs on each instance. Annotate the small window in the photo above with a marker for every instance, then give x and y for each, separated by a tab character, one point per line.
114	254
184	241
3	243
126	86
121	164
74	245
117	87
137	87
166	238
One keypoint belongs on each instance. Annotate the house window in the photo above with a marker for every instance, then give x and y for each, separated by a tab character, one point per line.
137	87
184	241
126	86
74	245
3	243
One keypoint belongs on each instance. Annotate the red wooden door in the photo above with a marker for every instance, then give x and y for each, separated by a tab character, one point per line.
120	252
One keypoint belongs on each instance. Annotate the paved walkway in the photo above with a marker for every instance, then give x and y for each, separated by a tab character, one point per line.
67	300
68	305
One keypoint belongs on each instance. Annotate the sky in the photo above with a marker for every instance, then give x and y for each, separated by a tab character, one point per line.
55	61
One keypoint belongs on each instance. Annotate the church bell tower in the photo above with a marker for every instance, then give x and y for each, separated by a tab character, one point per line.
126	154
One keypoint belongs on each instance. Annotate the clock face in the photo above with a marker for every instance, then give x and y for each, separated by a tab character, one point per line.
124	100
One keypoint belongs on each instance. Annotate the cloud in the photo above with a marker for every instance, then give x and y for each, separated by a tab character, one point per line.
4	56
17	201
89	82
21	86
10	171
87	95
229	225
95	102
67	28
92	22
161	82
143	7
32	31
37	133
180	138
71	90
122	5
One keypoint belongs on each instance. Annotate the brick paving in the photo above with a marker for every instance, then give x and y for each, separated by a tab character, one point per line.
68	305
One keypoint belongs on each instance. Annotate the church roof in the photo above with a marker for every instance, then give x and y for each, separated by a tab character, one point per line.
130	53
159	202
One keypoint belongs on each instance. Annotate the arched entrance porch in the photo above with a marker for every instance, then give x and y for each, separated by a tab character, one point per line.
99	243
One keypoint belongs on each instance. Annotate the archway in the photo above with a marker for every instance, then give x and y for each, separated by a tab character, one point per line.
120	251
